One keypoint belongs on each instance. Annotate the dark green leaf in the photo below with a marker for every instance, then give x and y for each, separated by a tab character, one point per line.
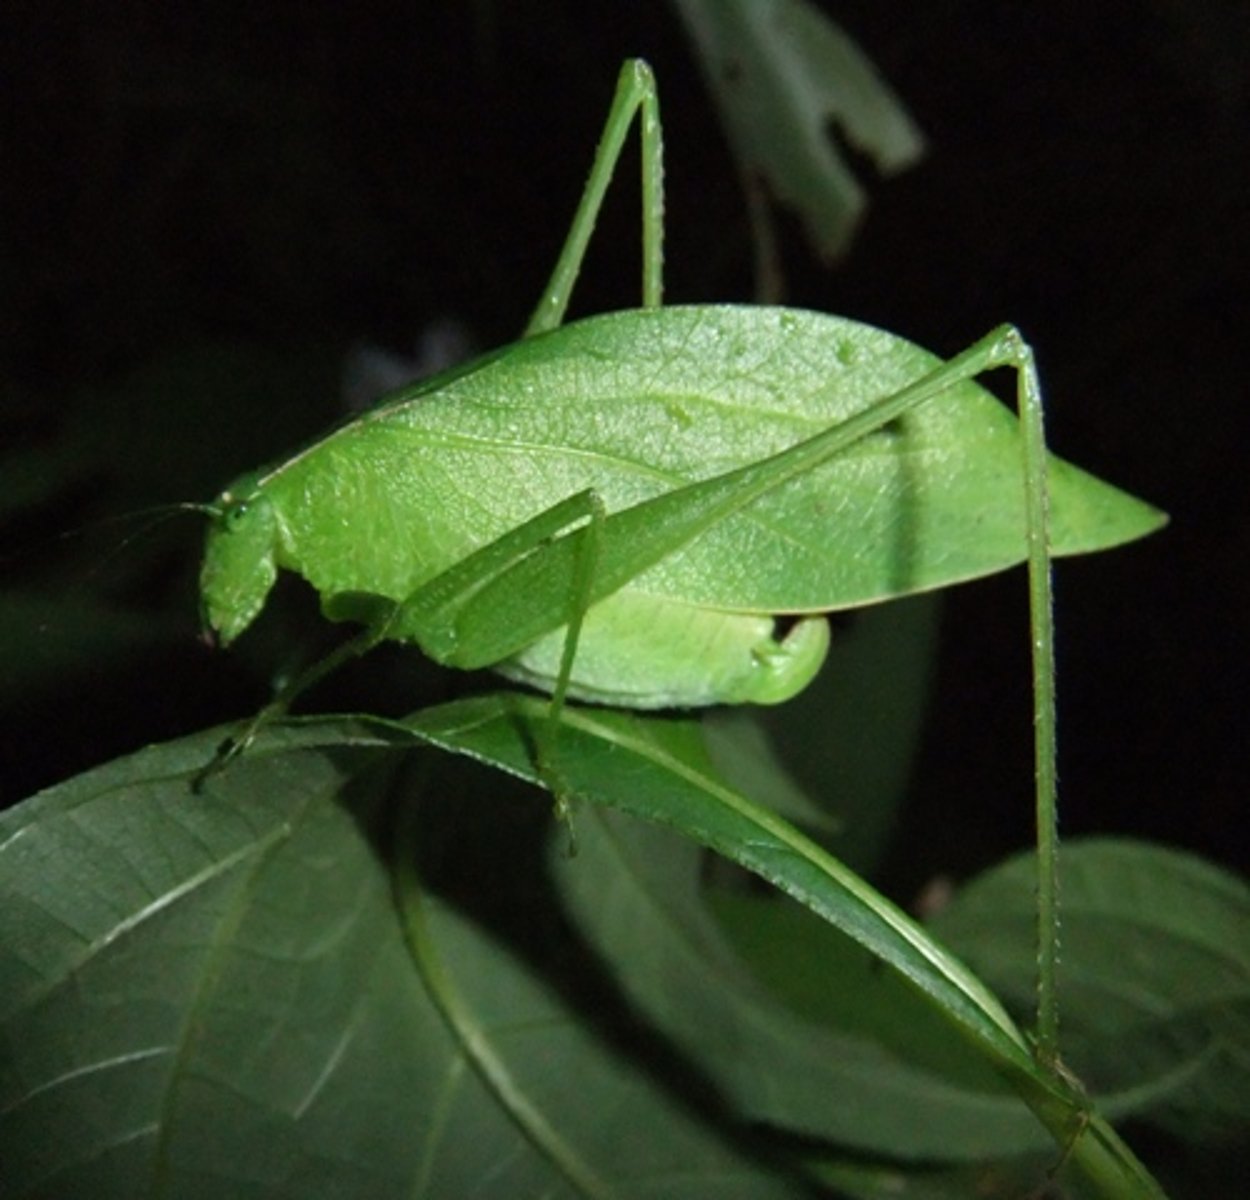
878	1072
208	994
657	769
1155	975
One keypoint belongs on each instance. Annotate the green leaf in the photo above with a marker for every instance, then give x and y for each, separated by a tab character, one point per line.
882	1075
641	766
209	994
657	776
781	72
167	1029
1155	976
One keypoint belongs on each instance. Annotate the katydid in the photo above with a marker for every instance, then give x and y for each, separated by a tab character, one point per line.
656	507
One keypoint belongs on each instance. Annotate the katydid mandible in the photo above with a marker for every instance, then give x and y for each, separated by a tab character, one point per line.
656	507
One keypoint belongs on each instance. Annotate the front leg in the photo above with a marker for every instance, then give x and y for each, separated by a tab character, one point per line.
431	616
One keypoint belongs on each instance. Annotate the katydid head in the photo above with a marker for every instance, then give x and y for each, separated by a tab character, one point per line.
239	568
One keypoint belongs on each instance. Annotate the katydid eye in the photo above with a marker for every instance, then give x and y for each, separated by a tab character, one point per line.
236	514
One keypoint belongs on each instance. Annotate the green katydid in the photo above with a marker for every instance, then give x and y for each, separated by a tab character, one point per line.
656	507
